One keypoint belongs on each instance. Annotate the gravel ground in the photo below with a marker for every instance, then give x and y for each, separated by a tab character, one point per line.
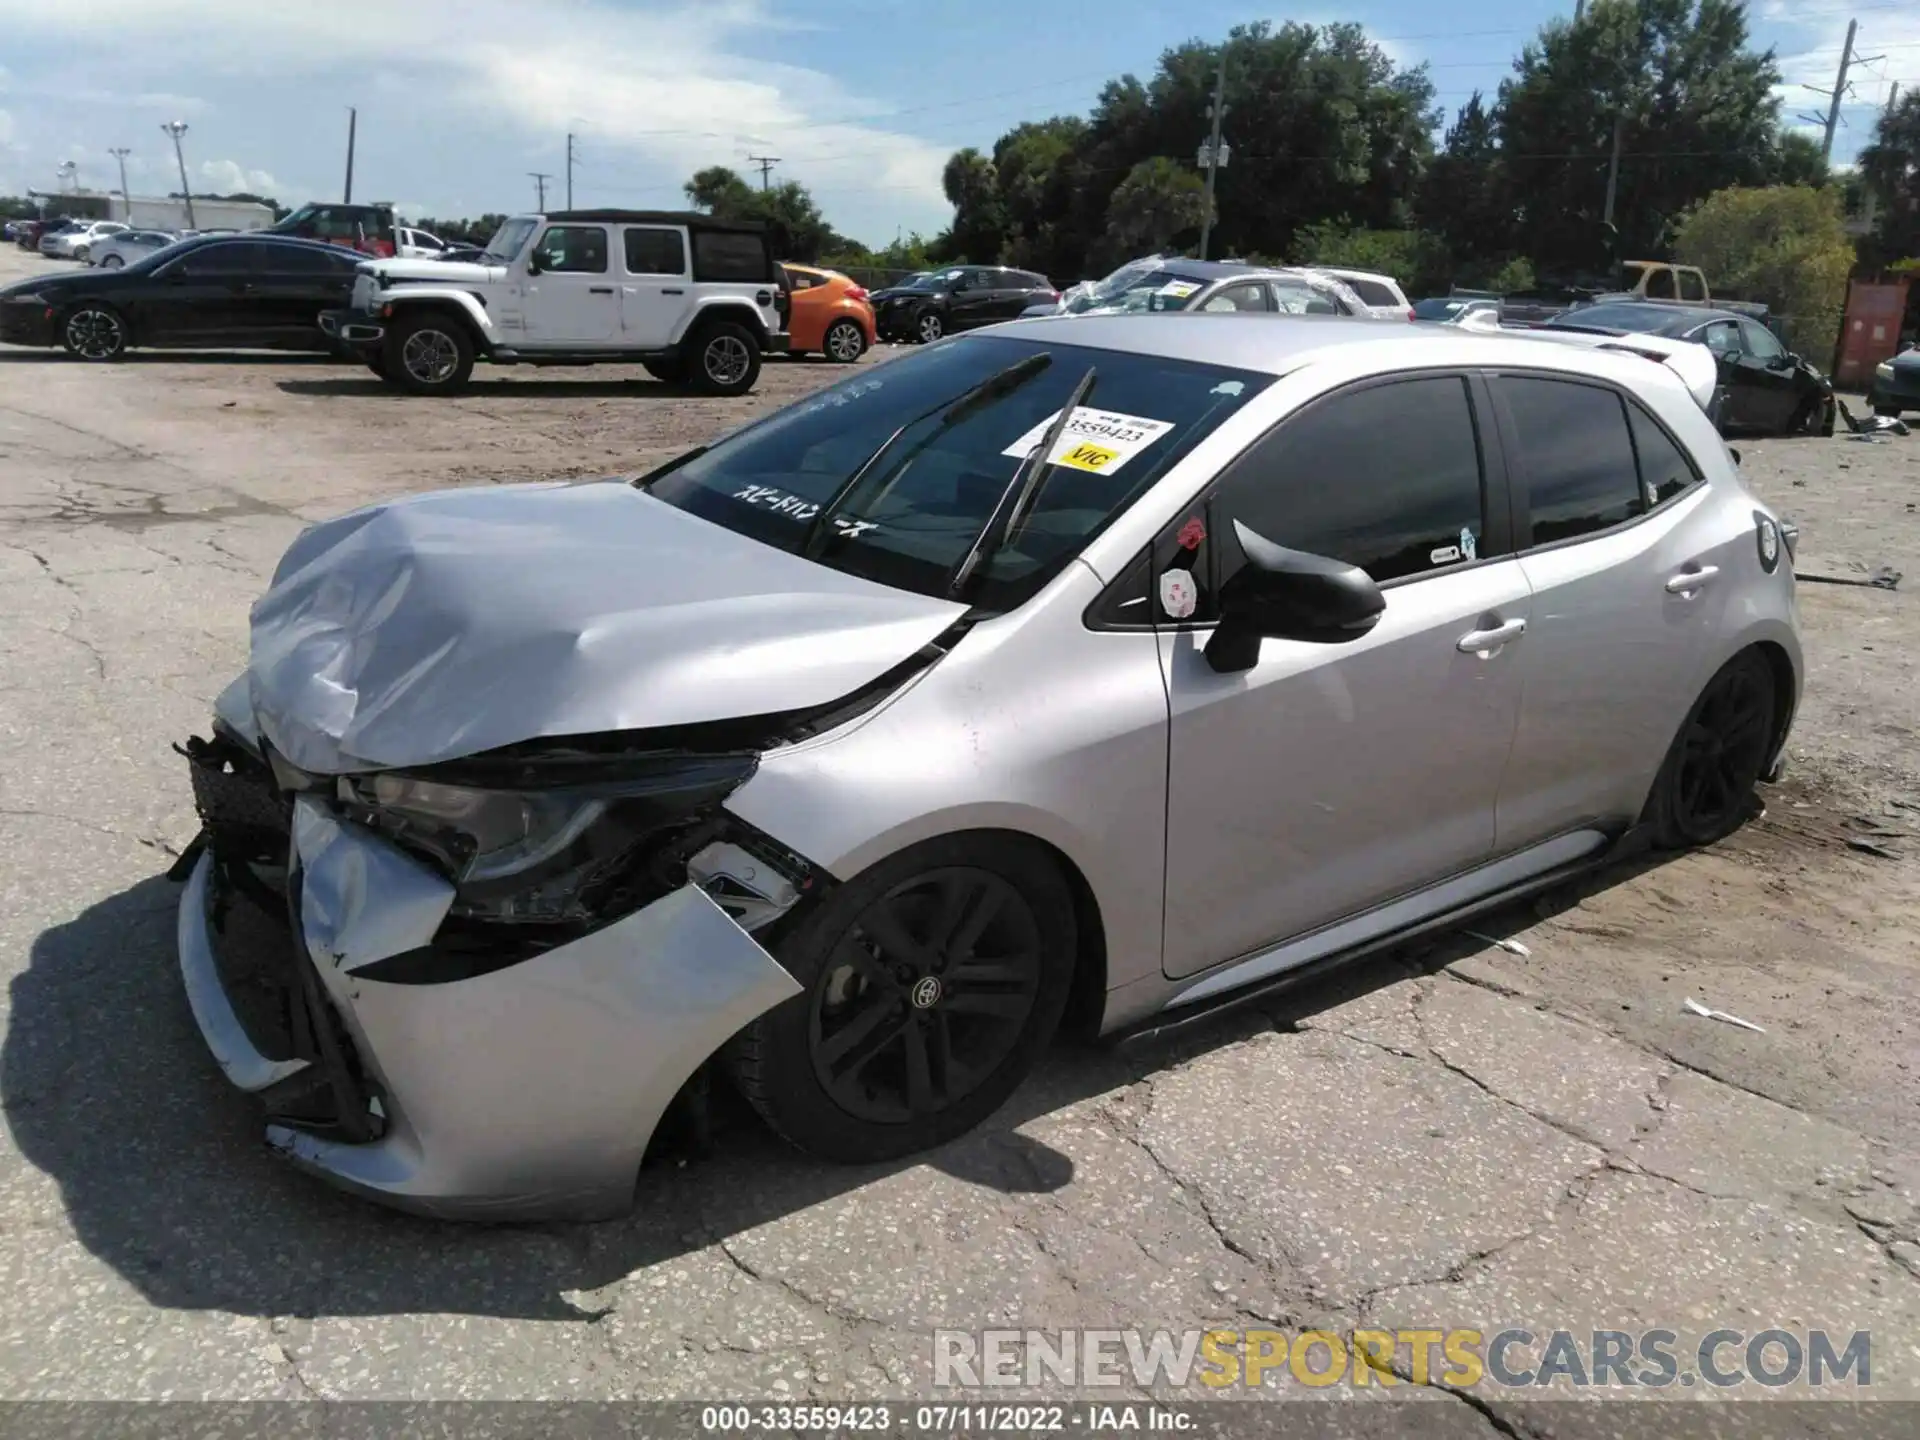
1449	1136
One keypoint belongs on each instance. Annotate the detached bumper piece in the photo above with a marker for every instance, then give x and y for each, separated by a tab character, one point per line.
351	327
529	1091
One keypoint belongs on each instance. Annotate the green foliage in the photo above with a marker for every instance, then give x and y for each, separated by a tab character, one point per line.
1417	259
1698	112
18	207
799	231
1512	278
1157	202
1783	246
1890	169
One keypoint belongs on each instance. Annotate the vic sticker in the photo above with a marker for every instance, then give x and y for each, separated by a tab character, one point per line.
1097	440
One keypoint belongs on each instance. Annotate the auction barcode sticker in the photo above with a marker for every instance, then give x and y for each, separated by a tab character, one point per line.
1102	440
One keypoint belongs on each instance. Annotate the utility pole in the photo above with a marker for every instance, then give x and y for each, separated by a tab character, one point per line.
766	164
1217	111
177	128
1870	203
540	179
353	123
569	170
1613	166
120	153
1831	121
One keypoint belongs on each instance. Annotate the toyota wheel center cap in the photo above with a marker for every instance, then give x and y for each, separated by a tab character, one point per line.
926	992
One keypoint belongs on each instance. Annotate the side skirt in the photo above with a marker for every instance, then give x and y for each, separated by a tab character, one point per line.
1309	956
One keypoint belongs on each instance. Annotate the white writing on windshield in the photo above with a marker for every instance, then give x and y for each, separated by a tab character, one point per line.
798	507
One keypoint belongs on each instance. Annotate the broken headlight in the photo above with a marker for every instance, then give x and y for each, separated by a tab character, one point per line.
541	856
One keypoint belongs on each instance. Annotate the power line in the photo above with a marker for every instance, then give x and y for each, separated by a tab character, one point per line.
1838	94
766	164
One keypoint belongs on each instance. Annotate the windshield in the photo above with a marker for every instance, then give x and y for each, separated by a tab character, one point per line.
928	502
508	239
933	280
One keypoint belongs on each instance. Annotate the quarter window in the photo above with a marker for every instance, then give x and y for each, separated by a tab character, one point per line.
1387	478
1665	470
1372	292
1237	297
1576	455
656	252
731	256
574	249
1692	286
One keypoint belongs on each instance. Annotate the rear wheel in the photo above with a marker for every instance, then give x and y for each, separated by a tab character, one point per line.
931	985
1706	785
428	354
844	342
724	359
93	332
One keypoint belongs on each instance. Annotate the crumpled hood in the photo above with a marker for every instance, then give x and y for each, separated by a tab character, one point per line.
446	624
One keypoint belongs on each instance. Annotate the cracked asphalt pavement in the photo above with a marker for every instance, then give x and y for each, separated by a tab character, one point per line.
1451	1135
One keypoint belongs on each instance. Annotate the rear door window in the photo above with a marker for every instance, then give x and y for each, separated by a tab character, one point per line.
655	250
1388	478
1248	296
1576	455
233	258
1692	287
731	257
1372	291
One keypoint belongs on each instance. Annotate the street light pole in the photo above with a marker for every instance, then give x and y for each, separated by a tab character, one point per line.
353	124
120	153
177	128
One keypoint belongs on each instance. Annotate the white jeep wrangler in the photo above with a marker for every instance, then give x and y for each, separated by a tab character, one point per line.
696	300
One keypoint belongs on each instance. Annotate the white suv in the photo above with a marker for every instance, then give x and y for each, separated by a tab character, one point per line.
696	300
1381	294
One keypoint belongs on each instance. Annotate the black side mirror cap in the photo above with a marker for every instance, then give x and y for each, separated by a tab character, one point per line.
533	263
1289	595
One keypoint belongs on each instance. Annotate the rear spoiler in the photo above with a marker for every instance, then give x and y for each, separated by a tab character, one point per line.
1693	363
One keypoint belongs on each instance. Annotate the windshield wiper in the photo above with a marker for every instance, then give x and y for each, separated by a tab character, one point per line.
1022	489
995	386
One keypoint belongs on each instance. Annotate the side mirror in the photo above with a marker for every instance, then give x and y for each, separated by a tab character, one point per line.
1289	595
533	262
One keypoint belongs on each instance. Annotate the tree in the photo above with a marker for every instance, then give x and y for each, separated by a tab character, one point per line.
18	207
1465	198
1034	174
719	191
1784	246
978	232
1159	201
1418	260
1697	111
1890	170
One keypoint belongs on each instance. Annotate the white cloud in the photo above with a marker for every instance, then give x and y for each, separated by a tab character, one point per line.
664	87
228	176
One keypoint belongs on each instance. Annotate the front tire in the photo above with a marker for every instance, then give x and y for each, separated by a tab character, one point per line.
1705	787
112	262
93	332
428	354
80	253
930	986
724	359
844	343
928	327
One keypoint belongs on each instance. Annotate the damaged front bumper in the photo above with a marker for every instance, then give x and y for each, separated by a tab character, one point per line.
528	1091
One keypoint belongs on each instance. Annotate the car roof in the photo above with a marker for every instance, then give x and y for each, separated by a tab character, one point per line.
1344	273
264	237
692	219
1646	316
1281	344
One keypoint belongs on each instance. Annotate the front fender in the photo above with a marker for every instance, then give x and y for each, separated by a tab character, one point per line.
441	297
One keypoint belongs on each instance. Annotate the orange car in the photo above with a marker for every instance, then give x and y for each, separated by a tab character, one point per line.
830	314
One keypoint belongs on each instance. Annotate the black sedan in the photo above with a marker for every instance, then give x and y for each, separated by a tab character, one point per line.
216	291
1765	387
1896	384
957	298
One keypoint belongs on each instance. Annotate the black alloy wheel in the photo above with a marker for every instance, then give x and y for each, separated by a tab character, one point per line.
1706	785
93	332
925	996
932	984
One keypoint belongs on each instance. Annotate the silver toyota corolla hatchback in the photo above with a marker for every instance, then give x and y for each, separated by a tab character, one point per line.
1105	666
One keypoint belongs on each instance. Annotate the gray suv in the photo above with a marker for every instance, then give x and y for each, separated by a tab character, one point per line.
1114	667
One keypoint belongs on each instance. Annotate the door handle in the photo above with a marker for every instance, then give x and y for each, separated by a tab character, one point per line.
1476	642
1688	581
599	289
671	290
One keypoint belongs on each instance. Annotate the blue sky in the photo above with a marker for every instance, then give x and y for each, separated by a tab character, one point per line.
861	99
